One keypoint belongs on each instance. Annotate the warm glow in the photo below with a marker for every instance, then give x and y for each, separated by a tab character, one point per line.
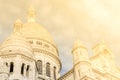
67	20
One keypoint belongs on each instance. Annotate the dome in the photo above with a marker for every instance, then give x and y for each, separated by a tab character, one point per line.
16	43
34	30
31	29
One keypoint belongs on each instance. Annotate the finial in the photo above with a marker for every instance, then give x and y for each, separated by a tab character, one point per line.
17	25
31	14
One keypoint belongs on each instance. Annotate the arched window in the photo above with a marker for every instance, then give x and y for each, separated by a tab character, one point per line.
39	66
39	43
54	71
11	67
31	42
48	69
27	70
22	68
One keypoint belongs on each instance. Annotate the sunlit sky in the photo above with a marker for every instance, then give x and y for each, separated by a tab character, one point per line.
67	20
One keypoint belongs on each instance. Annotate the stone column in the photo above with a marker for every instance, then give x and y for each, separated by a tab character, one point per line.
17	68
25	66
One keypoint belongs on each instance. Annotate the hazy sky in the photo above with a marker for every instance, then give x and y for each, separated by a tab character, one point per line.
67	20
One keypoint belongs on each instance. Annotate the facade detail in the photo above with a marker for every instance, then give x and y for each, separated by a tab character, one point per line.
30	53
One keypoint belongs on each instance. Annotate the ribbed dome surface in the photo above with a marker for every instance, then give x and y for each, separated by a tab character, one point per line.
34	30
17	44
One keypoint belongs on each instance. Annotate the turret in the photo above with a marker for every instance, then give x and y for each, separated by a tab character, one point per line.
17	26
105	57
82	66
80	52
31	14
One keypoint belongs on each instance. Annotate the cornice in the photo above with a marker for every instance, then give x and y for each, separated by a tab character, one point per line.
78	47
44	41
67	74
87	61
105	73
13	54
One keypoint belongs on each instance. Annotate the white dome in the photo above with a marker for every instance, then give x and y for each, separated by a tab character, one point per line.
34	30
31	29
16	44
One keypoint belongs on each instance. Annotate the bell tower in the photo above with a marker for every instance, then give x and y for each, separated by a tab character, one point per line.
82	66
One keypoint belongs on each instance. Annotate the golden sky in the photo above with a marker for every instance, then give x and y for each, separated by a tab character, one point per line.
67	20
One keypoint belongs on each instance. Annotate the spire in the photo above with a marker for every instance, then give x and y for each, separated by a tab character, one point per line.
31	14
17	26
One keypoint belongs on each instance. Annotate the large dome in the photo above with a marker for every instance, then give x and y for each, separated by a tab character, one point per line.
34	30
31	29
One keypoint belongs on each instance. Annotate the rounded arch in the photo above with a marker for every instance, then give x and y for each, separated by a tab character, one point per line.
48	69
39	66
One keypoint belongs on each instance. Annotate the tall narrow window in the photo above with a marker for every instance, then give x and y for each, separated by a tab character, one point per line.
39	66
22	68
27	70
11	67
48	69
54	71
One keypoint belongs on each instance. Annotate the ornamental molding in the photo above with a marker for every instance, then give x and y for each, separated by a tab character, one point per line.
79	47
44	41
11	55
80	62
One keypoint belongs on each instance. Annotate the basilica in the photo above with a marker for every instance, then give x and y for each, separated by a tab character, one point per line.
29	53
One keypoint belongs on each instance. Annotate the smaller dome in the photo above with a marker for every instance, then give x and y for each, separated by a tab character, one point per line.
16	43
34	30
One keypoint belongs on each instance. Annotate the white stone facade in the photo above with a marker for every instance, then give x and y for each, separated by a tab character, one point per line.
29	53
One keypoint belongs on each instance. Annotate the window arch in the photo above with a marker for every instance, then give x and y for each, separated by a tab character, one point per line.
48	69
27	70
39	66
22	68
11	67
39	43
6	64
31	42
54	71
